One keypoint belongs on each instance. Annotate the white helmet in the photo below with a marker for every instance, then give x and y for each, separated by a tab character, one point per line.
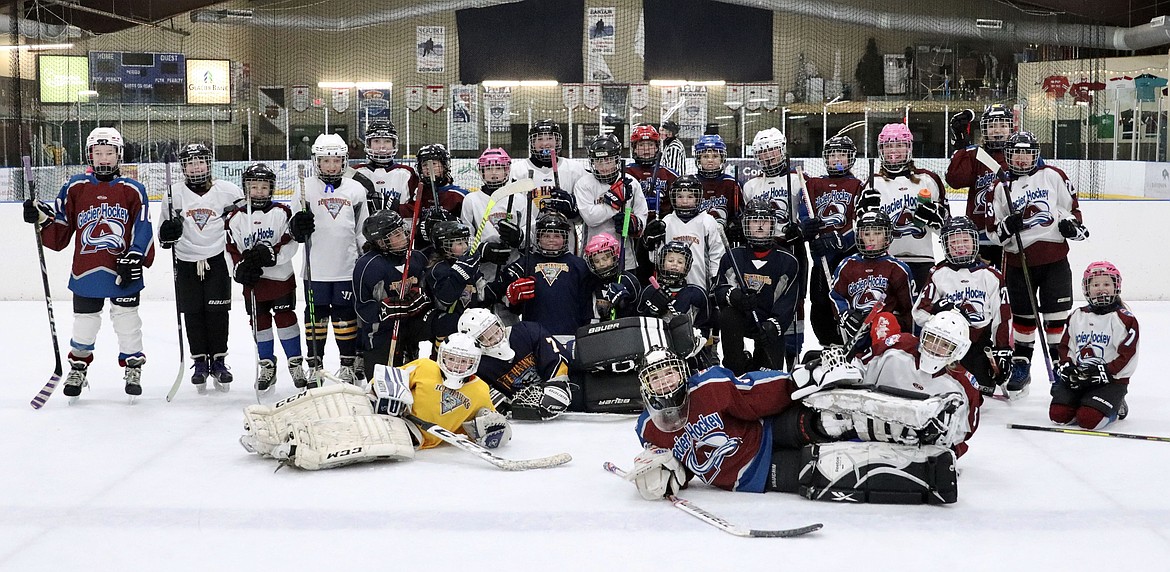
458	358
770	139
329	145
662	380
945	339
104	136
488	332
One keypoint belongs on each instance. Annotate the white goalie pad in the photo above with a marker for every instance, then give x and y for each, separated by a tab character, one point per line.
266	426
876	416
329	443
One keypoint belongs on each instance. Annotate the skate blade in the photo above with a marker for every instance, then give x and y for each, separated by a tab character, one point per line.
223	387
1017	395
74	399
201	388
132	399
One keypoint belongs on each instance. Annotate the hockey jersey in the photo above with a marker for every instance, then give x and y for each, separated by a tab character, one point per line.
377	276
568	173
727	439
705	238
338	215
450	198
387	186
599	217
538	358
1110	338
602	309
1043	198
774	277
721	197
268	225
658	198
563	302
977	291
912	243
859	283
779	192
970	168
204	233
104	219
833	199
441	405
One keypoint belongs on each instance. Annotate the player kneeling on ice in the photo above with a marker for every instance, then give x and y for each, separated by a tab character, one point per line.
1098	354
771	431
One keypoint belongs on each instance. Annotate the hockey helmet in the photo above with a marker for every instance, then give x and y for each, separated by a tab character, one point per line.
544	137
104	136
604	158
1096	295
674	263
662	381
494	165
434	152
869	223
195	161
381	142
759	224
458	359
488	332
895	147
770	149
840	154
952	235
447	236
552	234
645	133
671	126
996	125
711	144
261	173
690	188
945	339
329	154
601	255
386	230
1022	153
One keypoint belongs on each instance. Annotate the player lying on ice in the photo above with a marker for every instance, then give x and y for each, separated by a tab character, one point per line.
886	428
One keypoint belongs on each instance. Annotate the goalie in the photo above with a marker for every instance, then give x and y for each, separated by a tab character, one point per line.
340	424
910	404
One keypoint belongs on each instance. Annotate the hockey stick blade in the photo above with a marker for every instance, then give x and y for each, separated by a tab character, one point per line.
46	392
1089	432
721	523
486	454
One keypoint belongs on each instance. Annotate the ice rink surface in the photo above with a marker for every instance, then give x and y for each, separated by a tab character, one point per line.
103	485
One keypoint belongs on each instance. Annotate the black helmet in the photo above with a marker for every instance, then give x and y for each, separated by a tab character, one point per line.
435	152
379	226
674	278
840	144
996	113
195	152
259	172
605	146
381	129
759	224
446	233
874	220
552	222
543	127
671	126
959	225
688	183
1022	145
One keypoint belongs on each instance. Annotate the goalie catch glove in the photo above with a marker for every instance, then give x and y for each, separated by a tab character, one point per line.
542	401
488	428
657	473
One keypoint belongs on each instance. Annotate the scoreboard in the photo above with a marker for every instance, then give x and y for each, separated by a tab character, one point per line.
138	77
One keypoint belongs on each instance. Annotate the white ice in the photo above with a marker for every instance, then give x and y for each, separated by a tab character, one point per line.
104	485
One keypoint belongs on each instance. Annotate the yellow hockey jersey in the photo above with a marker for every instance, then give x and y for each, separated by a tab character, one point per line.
440	405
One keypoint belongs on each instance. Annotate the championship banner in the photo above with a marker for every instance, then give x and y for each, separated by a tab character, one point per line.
435	98
497	104
591	96
464	118
753	94
414	97
600	22
771	97
693	115
430	44
734	97
613	103
300	98
639	96
272	110
571	95
340	99
373	104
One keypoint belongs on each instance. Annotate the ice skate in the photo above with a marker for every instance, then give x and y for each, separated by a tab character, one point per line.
133	376
199	378
75	380
346	373
1017	384
266	381
221	375
296	369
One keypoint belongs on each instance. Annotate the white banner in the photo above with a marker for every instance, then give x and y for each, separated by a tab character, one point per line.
597	69
571	95
300	98
340	99
600	30
693	115
272	109
591	96
772	97
435	98
464	117
734	98
497	105
430	45
639	96
414	97
752	96
667	98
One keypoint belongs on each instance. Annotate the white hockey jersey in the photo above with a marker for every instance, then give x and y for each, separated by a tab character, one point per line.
976	290
1043	198
338	215
911	243
203	227
705	236
778	192
569	172
393	185
269	226
1110	338
599	216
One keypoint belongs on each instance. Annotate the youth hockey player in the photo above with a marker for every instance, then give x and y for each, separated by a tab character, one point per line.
1037	203
914	199
614	292
674	153
969	286
526	368
378	299
977	167
434	165
193	225
687	223
554	188
338	206
262	249
602	199
550	285
107	217
493	165
656	180
758	293
455	282
1098	354
721	193
872	276
388	184
673	295
830	232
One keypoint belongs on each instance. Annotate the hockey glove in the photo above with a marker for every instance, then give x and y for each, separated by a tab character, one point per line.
521	290
510	233
654	302
940	306
961	128
39	213
654	234
930	214
1093	374
248	273
541	402
1001	367
789	233
1070	375
619	221
562	202
823	246
1072	229
657	473
170	231
398	308
772	329
391	388
614	197
618	295
488	428
301	225
496	252
734	232
129	268
851	322
429	218
1013	224
870	200
743	300
811	227
261	255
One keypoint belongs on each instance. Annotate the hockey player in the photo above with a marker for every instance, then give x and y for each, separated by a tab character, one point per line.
646	147
438	183
550	285
758	293
526	368
262	249
1038	204
687	223
673	295
494	165
387	183
721	193
554	187
976	168
674	153
1098	354
965	284
193	225
338	206
871	276
455	282
377	288
614	292
914	199
610	197
106	216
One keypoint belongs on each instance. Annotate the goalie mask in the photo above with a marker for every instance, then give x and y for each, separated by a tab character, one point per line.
195	161
329	155
945	339
662	381
770	149
960	240
1102	284
488	332
103	150
381	142
458	358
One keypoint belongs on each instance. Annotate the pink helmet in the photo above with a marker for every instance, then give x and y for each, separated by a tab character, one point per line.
494	156
895	134
1102	268
601	243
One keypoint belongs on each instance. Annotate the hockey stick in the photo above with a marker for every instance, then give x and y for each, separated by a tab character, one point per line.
405	279
719	522
1042	333
252	292
311	308
1089	432
876	309
175	275
47	391
850	127
462	442
812	213
506	191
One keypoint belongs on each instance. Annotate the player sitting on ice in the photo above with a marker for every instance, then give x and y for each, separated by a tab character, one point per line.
613	292
1098	354
550	285
749	433
455	281
526	368
387	183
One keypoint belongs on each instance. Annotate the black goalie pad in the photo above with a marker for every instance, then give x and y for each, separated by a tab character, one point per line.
880	473
617	346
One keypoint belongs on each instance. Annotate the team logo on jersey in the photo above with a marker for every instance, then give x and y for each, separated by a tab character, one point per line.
333	205
103	228
451	399
551	270
756	282
901	212
521	375
201	216
1036	213
703	446
831	208
1091	346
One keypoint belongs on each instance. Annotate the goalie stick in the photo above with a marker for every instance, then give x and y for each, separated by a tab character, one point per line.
721	523
47	391
462	442
1089	432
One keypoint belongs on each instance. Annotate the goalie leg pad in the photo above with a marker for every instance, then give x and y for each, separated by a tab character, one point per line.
881	473
938	419
265	427
329	443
